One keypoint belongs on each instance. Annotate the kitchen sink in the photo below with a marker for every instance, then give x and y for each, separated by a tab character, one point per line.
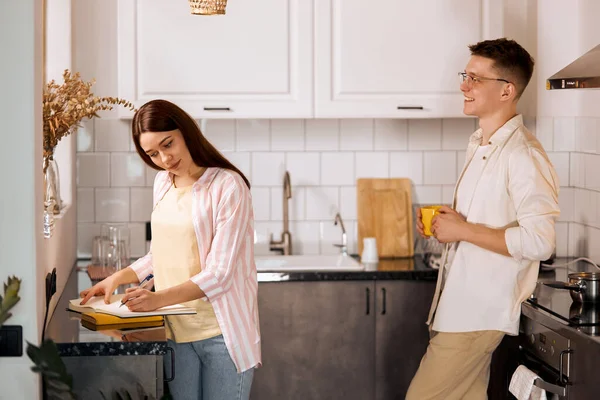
307	263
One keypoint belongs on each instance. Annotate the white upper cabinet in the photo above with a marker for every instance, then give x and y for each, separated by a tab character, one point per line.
254	62
396	58
375	59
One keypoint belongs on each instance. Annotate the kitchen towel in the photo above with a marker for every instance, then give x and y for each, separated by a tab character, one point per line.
522	387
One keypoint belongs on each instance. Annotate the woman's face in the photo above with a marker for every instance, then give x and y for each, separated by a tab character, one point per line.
168	151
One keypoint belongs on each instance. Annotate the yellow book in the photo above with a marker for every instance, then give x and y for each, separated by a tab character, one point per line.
121	326
107	319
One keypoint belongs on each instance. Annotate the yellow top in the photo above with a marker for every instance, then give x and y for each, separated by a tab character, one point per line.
175	260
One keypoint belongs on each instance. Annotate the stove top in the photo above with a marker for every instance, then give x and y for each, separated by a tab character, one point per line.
558	302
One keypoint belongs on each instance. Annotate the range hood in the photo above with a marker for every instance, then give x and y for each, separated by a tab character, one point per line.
583	73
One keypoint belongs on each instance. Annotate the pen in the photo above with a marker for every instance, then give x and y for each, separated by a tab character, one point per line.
142	283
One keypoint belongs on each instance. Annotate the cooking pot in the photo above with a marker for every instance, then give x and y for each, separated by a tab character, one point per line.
583	286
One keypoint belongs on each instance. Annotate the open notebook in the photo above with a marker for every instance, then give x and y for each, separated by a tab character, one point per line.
97	304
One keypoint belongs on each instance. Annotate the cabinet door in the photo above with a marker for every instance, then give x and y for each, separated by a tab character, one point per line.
401	335
317	341
396	58
255	61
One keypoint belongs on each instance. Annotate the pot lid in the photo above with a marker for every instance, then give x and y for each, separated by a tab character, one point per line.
588	276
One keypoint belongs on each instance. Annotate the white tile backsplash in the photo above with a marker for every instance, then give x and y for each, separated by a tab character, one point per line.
356	134
305	167
287	135
337	169
391	134
456	132
322	135
564	134
253	135
407	165
112	135
85	205
93	170
425	134
324	158
126	170
268	169
372	165
440	167
221	133
112	204
544	131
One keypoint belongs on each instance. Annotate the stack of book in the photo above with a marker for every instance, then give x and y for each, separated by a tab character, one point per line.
97	315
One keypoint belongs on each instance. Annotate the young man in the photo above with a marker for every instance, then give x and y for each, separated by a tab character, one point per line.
500	226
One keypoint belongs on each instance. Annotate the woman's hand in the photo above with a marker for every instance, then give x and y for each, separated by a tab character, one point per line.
105	287
448	226
142	299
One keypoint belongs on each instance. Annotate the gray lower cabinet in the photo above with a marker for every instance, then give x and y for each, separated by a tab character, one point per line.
96	377
317	341
401	336
341	340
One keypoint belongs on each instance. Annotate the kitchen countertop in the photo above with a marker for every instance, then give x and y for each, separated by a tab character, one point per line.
72	339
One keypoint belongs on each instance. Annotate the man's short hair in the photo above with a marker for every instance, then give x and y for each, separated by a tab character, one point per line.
511	60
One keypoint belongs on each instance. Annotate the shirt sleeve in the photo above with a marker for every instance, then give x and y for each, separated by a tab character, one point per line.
227	251
533	188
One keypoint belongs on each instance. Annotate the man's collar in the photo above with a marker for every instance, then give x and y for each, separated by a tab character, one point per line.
501	134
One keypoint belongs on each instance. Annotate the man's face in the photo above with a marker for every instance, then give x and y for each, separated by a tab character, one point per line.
483	97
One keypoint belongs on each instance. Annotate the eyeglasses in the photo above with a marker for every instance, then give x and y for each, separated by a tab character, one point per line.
464	77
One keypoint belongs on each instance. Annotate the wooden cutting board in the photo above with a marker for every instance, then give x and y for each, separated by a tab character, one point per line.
384	211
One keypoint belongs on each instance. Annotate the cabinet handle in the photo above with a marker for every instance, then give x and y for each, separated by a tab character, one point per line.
409	107
383	301
170	349
217	109
368	301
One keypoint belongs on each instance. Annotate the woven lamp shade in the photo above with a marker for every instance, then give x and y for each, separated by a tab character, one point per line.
208	7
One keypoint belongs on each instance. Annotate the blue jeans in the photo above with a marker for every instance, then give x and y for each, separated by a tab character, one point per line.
204	370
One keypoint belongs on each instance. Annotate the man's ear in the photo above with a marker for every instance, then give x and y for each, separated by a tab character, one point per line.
509	92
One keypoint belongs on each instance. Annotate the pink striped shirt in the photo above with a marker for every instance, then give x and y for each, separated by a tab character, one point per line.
223	220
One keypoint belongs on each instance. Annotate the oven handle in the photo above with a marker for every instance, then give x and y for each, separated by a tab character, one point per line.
548	387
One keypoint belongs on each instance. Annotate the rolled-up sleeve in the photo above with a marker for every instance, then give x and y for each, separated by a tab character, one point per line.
230	242
533	188
143	266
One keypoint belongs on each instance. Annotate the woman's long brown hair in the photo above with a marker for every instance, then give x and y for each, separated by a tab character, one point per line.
164	116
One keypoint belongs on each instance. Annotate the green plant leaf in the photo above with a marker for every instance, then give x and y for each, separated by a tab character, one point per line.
10	299
59	383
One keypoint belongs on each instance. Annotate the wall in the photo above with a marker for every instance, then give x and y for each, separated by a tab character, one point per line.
569	120
21	241
324	157
61	247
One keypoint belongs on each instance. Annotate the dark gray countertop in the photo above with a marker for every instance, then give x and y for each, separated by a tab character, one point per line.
73	339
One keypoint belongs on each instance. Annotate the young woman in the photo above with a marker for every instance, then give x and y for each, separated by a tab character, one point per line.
201	255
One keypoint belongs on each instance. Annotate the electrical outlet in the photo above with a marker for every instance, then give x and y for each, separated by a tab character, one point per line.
11	341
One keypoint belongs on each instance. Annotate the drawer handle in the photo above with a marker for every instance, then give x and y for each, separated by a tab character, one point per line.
383	301
410	107
217	109
368	292
170	349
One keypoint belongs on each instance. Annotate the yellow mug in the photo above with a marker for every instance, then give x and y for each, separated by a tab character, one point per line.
427	214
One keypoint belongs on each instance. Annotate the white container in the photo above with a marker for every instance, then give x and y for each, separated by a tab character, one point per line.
369	254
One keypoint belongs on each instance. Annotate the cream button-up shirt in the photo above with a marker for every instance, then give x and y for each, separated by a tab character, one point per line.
516	189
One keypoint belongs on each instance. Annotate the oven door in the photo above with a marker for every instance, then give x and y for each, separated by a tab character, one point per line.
556	389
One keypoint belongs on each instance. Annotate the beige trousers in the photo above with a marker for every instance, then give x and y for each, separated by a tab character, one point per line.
456	366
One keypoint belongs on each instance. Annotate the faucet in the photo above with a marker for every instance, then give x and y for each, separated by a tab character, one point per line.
285	244
344	246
